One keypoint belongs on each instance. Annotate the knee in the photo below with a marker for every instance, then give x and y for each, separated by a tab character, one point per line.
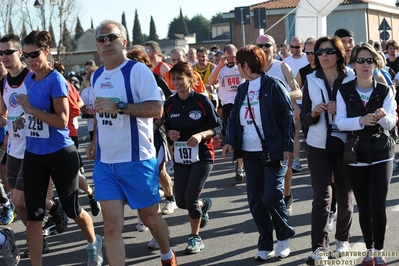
112	228
18	200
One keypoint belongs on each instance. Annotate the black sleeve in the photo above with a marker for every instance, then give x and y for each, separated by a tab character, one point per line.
1	86
163	85
306	110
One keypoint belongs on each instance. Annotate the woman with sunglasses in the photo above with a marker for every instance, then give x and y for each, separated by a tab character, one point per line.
366	110
49	149
325	146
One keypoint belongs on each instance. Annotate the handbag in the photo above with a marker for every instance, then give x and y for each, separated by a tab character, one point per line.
350	150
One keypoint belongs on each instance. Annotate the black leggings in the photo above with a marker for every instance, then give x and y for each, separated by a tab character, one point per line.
370	186
62	166
189	182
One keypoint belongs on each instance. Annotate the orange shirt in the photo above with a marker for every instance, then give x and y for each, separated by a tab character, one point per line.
199	87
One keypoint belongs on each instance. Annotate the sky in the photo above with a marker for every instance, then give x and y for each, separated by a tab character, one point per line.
162	11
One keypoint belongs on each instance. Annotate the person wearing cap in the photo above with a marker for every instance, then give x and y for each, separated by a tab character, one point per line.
282	71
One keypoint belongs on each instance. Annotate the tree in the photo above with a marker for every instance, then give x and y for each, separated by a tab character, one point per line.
51	30
23	32
6	13
178	26
137	35
10	28
66	38
127	32
78	30
218	18
201	27
153	31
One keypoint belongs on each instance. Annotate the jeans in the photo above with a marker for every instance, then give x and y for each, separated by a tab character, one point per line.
265	186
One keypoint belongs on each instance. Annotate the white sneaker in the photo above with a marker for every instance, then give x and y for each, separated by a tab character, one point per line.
342	246
140	226
318	255
283	248
169	207
161	193
331	219
263	255
153	244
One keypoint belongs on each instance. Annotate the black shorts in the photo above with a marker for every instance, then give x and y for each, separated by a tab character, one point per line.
15	173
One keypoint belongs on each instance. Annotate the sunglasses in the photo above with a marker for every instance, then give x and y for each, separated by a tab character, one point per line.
107	37
8	51
309	52
266	45
295	47
364	60
32	54
326	51
147	50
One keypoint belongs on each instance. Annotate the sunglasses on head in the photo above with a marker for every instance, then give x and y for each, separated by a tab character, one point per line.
309	52
147	50
326	51
267	45
295	47
8	51
364	60
107	37
32	54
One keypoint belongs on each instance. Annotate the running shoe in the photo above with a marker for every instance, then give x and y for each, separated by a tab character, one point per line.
263	255
317	257
153	244
169	207
283	248
59	217
95	252
205	208
49	228
194	245
9	251
296	166
171	262
8	214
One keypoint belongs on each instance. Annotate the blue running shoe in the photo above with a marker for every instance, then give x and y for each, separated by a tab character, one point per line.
8	214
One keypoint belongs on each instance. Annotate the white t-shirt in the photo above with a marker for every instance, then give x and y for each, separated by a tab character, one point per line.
229	79
276	71
296	63
125	138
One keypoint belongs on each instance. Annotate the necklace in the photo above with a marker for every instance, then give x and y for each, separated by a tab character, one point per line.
17	73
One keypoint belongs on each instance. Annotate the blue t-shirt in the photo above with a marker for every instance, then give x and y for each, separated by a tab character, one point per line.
3	133
42	138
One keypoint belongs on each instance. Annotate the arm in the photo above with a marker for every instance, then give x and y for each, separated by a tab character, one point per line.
91	148
213	78
298	80
144	109
381	78
308	116
295	92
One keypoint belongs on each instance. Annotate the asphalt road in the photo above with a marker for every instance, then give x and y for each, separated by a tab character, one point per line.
230	237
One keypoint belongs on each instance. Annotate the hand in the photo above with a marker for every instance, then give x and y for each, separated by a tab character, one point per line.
319	109
368	120
194	140
104	105
332	107
174	135
289	156
91	150
380	113
18	124
24	102
227	148
209	88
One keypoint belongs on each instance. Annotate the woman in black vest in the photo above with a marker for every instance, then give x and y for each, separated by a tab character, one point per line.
366	110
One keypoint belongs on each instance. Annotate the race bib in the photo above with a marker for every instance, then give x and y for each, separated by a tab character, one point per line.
185	154
36	128
110	120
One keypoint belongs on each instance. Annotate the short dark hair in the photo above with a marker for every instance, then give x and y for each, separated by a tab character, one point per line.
339	48
392	43
12	38
254	56
90	63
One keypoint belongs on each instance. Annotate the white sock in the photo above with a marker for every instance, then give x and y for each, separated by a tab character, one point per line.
167	256
2	239
94	243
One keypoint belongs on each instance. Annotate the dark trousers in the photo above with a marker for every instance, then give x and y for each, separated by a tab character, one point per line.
321	169
265	186
370	186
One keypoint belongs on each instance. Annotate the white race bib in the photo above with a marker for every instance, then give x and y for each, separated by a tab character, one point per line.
36	128
185	154
110	120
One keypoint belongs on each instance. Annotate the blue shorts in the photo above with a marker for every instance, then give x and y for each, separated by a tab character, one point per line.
135	182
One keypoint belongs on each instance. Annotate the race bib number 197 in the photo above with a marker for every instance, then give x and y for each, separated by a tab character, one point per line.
185	154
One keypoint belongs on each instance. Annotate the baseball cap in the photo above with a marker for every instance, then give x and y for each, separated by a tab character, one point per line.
344	33
265	38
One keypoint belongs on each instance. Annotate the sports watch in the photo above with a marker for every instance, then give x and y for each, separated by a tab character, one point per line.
121	107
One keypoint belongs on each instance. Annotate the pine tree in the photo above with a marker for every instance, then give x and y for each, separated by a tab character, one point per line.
137	35
127	32
10	28
66	38
23	32
153	31
51	30
78	30
178	26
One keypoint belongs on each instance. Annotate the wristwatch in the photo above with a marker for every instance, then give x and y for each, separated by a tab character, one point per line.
121	107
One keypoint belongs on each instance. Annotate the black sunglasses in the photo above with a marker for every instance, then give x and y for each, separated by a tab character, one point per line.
8	51
309	52
267	45
32	54
107	37
326	51
295	47
364	60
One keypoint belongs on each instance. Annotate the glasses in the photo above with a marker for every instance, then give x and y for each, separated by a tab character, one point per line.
7	52
32	54
147	50
295	47
364	60
327	51
309	52
107	37
266	45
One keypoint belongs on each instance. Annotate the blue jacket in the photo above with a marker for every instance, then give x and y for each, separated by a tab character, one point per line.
277	118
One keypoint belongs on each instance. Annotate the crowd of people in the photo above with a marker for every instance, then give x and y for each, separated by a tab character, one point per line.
173	110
